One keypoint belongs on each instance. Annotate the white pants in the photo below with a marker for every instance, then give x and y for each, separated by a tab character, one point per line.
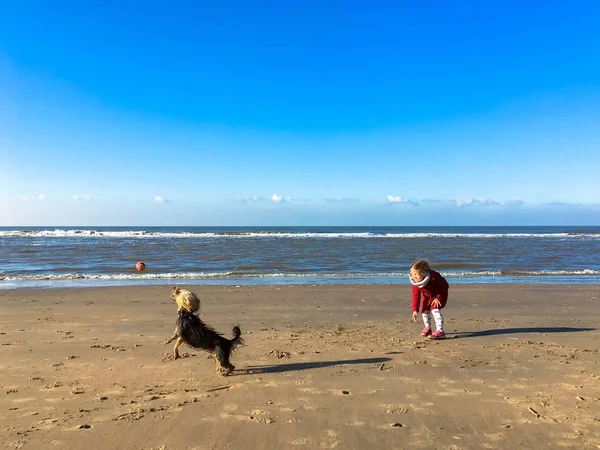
437	316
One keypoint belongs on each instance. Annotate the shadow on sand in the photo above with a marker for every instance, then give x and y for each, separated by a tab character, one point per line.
313	365
500	331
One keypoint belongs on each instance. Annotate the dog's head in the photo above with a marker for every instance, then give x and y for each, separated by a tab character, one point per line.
175	293
185	300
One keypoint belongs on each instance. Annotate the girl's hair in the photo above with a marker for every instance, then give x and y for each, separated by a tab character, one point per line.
420	265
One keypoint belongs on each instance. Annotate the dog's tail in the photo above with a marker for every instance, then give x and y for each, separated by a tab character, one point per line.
237	338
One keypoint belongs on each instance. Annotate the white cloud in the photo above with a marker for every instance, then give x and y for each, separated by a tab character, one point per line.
487	201
398	199
162	200
26	198
277	198
513	203
484	202
77	197
241	199
463	201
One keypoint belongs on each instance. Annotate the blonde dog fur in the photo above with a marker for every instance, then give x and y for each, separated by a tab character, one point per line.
185	299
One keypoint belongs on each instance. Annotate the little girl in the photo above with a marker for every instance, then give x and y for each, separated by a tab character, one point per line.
433	288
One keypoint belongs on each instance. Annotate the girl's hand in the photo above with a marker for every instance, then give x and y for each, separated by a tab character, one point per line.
414	317
436	302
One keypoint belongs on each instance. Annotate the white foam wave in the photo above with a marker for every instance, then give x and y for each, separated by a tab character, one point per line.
115	276
176	235
523	273
490	235
553	272
202	275
144	234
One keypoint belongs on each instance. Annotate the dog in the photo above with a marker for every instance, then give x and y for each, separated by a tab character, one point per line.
191	330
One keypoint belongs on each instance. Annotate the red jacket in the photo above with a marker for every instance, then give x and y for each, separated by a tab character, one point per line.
436	288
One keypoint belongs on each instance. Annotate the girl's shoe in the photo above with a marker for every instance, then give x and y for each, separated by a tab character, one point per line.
426	331
438	335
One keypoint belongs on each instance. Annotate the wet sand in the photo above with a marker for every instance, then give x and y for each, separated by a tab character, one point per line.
323	367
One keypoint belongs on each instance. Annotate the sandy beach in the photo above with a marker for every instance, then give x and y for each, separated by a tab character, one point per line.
323	367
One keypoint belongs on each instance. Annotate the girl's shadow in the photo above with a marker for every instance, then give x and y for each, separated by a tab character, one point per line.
499	331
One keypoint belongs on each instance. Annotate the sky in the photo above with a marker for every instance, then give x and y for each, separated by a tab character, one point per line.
299	113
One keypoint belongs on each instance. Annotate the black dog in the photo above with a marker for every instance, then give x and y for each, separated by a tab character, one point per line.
195	333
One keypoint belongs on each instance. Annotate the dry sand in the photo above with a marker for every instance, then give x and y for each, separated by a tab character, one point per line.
323	367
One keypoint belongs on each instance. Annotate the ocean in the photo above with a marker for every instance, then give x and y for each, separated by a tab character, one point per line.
51	257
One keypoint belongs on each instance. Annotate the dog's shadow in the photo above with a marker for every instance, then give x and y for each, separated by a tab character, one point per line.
500	331
312	365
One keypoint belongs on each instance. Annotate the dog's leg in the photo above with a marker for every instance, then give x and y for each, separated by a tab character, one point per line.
218	357
176	347
172	338
223	359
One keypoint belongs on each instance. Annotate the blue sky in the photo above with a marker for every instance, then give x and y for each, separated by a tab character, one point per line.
313	113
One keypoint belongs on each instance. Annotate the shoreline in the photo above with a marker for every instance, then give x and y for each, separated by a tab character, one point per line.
8	285
311	285
335	366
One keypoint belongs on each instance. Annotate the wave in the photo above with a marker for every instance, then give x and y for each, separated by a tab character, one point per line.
202	275
145	234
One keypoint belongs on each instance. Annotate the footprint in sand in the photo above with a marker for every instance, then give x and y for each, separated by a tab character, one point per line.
446	394
46	424
330	440
265	420
398	411
310	390
257	418
357	424
299	441
456	392
24	399
445	381
305	404
496	437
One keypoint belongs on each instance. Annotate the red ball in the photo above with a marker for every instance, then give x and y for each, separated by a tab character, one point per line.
140	266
